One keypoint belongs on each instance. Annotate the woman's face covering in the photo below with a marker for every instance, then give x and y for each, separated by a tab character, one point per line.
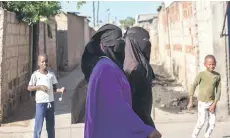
147	49
119	50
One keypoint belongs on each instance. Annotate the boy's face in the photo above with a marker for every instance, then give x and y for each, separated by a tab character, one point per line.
210	64
43	62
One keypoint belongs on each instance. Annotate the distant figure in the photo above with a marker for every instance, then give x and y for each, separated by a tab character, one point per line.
139	72
109	111
209	83
44	83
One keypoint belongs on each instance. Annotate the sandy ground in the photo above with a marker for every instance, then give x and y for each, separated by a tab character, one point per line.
169	96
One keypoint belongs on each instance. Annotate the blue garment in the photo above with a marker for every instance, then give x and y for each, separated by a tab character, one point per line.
44	110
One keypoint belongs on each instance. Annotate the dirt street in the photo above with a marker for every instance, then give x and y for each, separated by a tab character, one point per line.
169	95
170	98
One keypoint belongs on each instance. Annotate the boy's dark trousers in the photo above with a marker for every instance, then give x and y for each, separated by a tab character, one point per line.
44	110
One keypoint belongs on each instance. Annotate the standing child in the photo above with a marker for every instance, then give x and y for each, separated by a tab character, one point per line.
209	83
44	83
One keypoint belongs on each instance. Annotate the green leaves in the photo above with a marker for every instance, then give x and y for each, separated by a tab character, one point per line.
129	21
80	3
31	11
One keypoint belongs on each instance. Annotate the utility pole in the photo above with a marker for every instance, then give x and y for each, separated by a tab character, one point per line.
98	6
93	13
108	16
115	20
108	11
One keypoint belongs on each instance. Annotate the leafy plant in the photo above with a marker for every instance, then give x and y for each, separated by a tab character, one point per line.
159	8
32	11
80	3
129	21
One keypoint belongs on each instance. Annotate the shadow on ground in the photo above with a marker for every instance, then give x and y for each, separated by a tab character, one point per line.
24	112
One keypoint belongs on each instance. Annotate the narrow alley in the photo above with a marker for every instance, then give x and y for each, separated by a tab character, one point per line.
181	33
23	127
169	116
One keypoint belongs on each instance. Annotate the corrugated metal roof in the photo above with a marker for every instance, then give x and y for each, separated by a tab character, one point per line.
146	17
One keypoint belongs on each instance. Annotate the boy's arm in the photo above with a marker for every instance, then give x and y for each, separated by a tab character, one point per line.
193	87
218	90
33	88
32	84
56	89
55	82
217	95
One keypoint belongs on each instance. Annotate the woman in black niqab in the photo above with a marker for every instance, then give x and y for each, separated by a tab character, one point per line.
106	42
139	72
108	38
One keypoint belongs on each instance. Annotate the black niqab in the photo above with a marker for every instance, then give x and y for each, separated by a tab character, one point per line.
139	72
137	52
107	41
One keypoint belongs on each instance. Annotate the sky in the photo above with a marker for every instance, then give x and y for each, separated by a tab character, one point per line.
118	9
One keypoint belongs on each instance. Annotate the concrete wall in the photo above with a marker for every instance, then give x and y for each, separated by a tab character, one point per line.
48	44
62	46
92	32
87	31
188	31
51	45
14	61
76	42
153	32
73	34
211	16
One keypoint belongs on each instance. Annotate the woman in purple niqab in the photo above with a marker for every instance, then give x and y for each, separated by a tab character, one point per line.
109	111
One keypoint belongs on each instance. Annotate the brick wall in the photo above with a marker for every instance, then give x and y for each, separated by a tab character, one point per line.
176	41
188	31
15	59
15	62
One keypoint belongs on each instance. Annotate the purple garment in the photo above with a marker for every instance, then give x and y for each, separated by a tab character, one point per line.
108	105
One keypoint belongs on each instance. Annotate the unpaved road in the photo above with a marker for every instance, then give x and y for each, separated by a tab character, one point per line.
170	99
169	95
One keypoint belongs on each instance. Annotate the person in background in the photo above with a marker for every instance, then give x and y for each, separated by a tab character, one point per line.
209	83
44	83
109	111
139	72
